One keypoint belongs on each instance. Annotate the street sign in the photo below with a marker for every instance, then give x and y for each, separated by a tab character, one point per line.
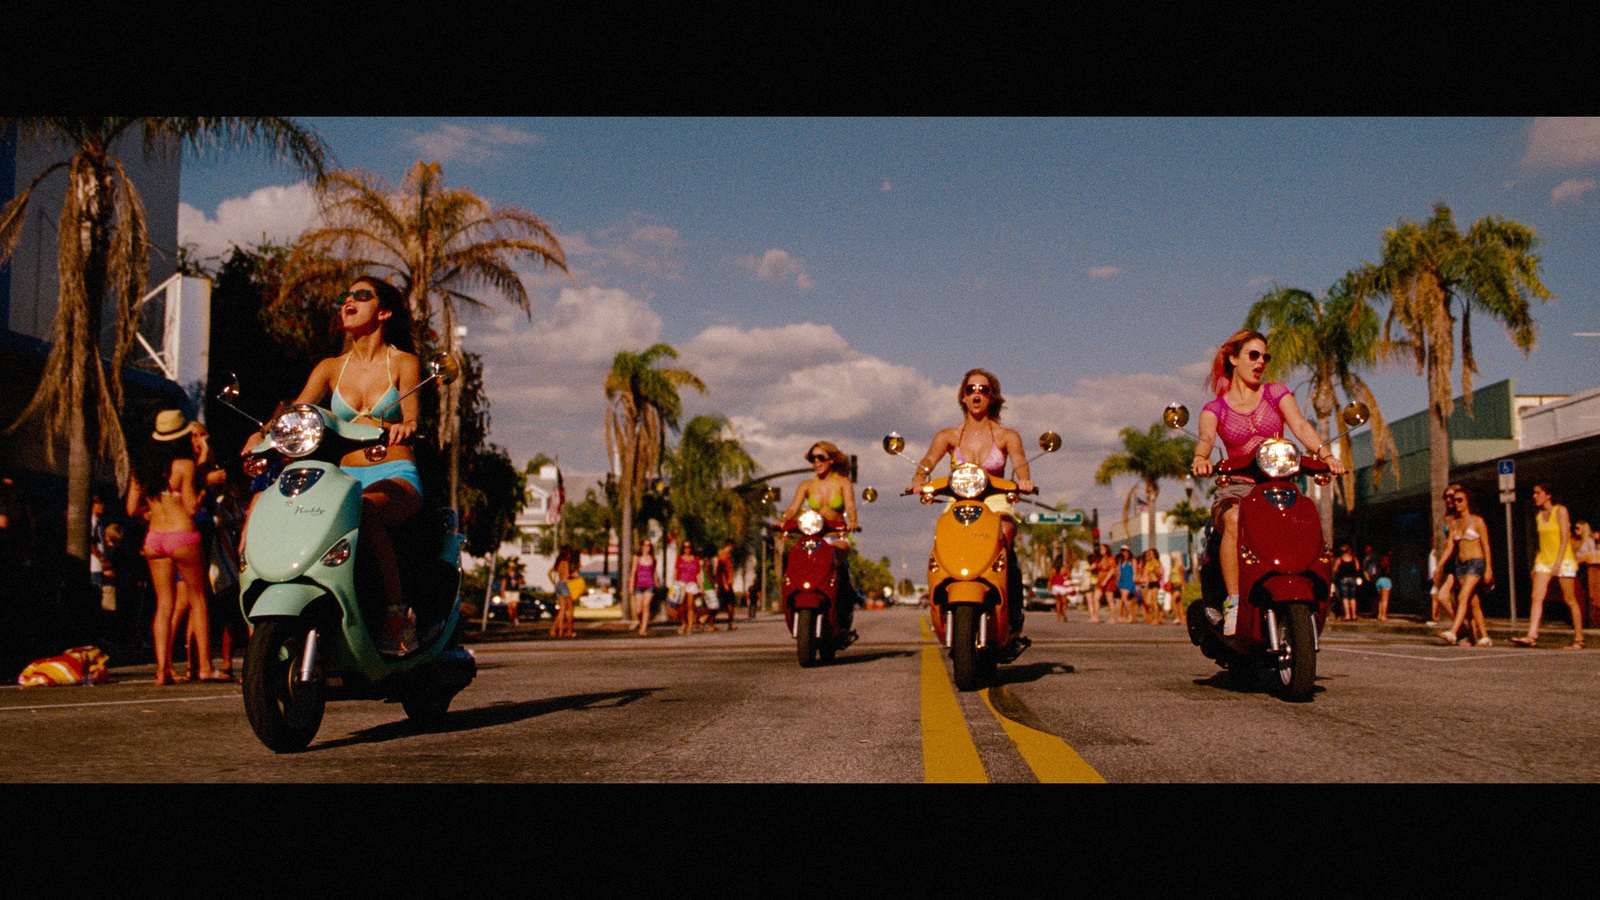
1508	496
1508	476
1055	518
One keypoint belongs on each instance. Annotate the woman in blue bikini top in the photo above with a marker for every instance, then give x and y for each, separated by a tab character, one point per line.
362	386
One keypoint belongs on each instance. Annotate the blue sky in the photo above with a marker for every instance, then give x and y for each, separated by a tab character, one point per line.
834	278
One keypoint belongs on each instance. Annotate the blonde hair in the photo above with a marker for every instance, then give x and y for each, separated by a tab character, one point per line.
837	461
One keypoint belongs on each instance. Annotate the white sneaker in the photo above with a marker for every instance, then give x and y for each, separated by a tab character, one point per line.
1230	616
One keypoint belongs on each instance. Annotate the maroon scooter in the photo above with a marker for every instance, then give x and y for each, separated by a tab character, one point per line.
1285	568
812	604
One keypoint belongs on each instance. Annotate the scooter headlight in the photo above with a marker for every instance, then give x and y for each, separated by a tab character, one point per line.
297	430
810	522
1278	458
968	481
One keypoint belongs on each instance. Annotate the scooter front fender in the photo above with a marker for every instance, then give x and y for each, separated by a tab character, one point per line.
286	600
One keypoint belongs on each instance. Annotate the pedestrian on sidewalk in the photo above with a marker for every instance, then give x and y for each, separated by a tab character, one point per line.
1384	584
1557	559
686	582
562	575
1347	579
1469	548
1588	567
643	580
1441	573
722	574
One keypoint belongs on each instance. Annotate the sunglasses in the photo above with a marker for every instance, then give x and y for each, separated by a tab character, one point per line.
976	388
360	296
819	458
1254	355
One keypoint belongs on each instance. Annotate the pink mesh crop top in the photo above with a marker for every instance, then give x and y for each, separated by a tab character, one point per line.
1241	433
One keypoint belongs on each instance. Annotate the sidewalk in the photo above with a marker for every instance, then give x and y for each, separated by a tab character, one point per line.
1551	634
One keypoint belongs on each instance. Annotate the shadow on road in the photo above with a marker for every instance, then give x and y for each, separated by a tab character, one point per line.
846	658
1225	680
490	716
1030	672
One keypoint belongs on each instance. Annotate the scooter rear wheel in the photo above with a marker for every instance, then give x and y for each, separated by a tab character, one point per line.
284	711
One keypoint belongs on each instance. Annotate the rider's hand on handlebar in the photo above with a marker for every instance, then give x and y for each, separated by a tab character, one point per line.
401	433
1201	467
1026	486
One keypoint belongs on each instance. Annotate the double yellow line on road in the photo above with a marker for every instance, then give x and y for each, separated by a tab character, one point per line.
949	754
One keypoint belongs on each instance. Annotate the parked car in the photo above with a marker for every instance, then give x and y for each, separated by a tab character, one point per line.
1037	595
533	606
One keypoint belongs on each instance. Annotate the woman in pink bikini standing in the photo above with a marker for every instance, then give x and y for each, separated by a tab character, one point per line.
982	441
163	490
1246	412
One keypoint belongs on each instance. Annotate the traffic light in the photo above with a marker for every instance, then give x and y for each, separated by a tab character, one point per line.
852	468
1097	535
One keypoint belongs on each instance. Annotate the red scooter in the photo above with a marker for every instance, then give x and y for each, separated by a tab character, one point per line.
1285	568
812	606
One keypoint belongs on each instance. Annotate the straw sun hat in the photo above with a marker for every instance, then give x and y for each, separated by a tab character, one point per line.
171	425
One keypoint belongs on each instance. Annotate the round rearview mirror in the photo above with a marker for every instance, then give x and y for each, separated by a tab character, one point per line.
1049	442
893	443
230	390
1356	415
870	495
444	367
1176	415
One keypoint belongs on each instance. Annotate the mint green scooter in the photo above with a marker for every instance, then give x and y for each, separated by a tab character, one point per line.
300	588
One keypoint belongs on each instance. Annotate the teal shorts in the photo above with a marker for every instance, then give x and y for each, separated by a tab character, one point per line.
399	470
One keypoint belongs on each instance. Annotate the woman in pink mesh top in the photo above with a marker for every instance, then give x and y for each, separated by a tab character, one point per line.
1245	413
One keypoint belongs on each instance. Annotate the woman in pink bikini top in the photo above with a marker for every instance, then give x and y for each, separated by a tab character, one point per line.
1246	412
981	440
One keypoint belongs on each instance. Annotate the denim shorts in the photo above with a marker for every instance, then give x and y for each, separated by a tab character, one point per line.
1465	567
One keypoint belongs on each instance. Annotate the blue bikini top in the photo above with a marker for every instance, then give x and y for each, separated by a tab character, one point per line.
345	411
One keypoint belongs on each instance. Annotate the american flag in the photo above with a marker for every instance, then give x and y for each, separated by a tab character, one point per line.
559	500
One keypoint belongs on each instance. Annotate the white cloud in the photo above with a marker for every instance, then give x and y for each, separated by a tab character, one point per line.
777	265
1259	281
459	143
630	249
1571	189
278	213
1556	142
887	186
1105	271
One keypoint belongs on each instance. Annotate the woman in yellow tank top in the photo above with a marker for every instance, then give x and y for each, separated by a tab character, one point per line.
1556	559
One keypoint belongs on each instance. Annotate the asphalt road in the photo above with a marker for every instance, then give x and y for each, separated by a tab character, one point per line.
1088	702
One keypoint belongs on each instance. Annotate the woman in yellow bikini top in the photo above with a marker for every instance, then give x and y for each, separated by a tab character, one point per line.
829	491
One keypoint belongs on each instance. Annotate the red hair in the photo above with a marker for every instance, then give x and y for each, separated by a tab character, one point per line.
1221	377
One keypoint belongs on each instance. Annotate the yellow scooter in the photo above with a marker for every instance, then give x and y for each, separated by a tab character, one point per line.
970	588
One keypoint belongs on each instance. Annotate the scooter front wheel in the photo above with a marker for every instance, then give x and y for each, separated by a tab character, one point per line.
284	711
964	647
805	629
1297	658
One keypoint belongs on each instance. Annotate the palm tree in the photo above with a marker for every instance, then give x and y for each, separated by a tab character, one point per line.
438	242
1151	456
702	470
104	254
1430	273
1330	338
642	402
